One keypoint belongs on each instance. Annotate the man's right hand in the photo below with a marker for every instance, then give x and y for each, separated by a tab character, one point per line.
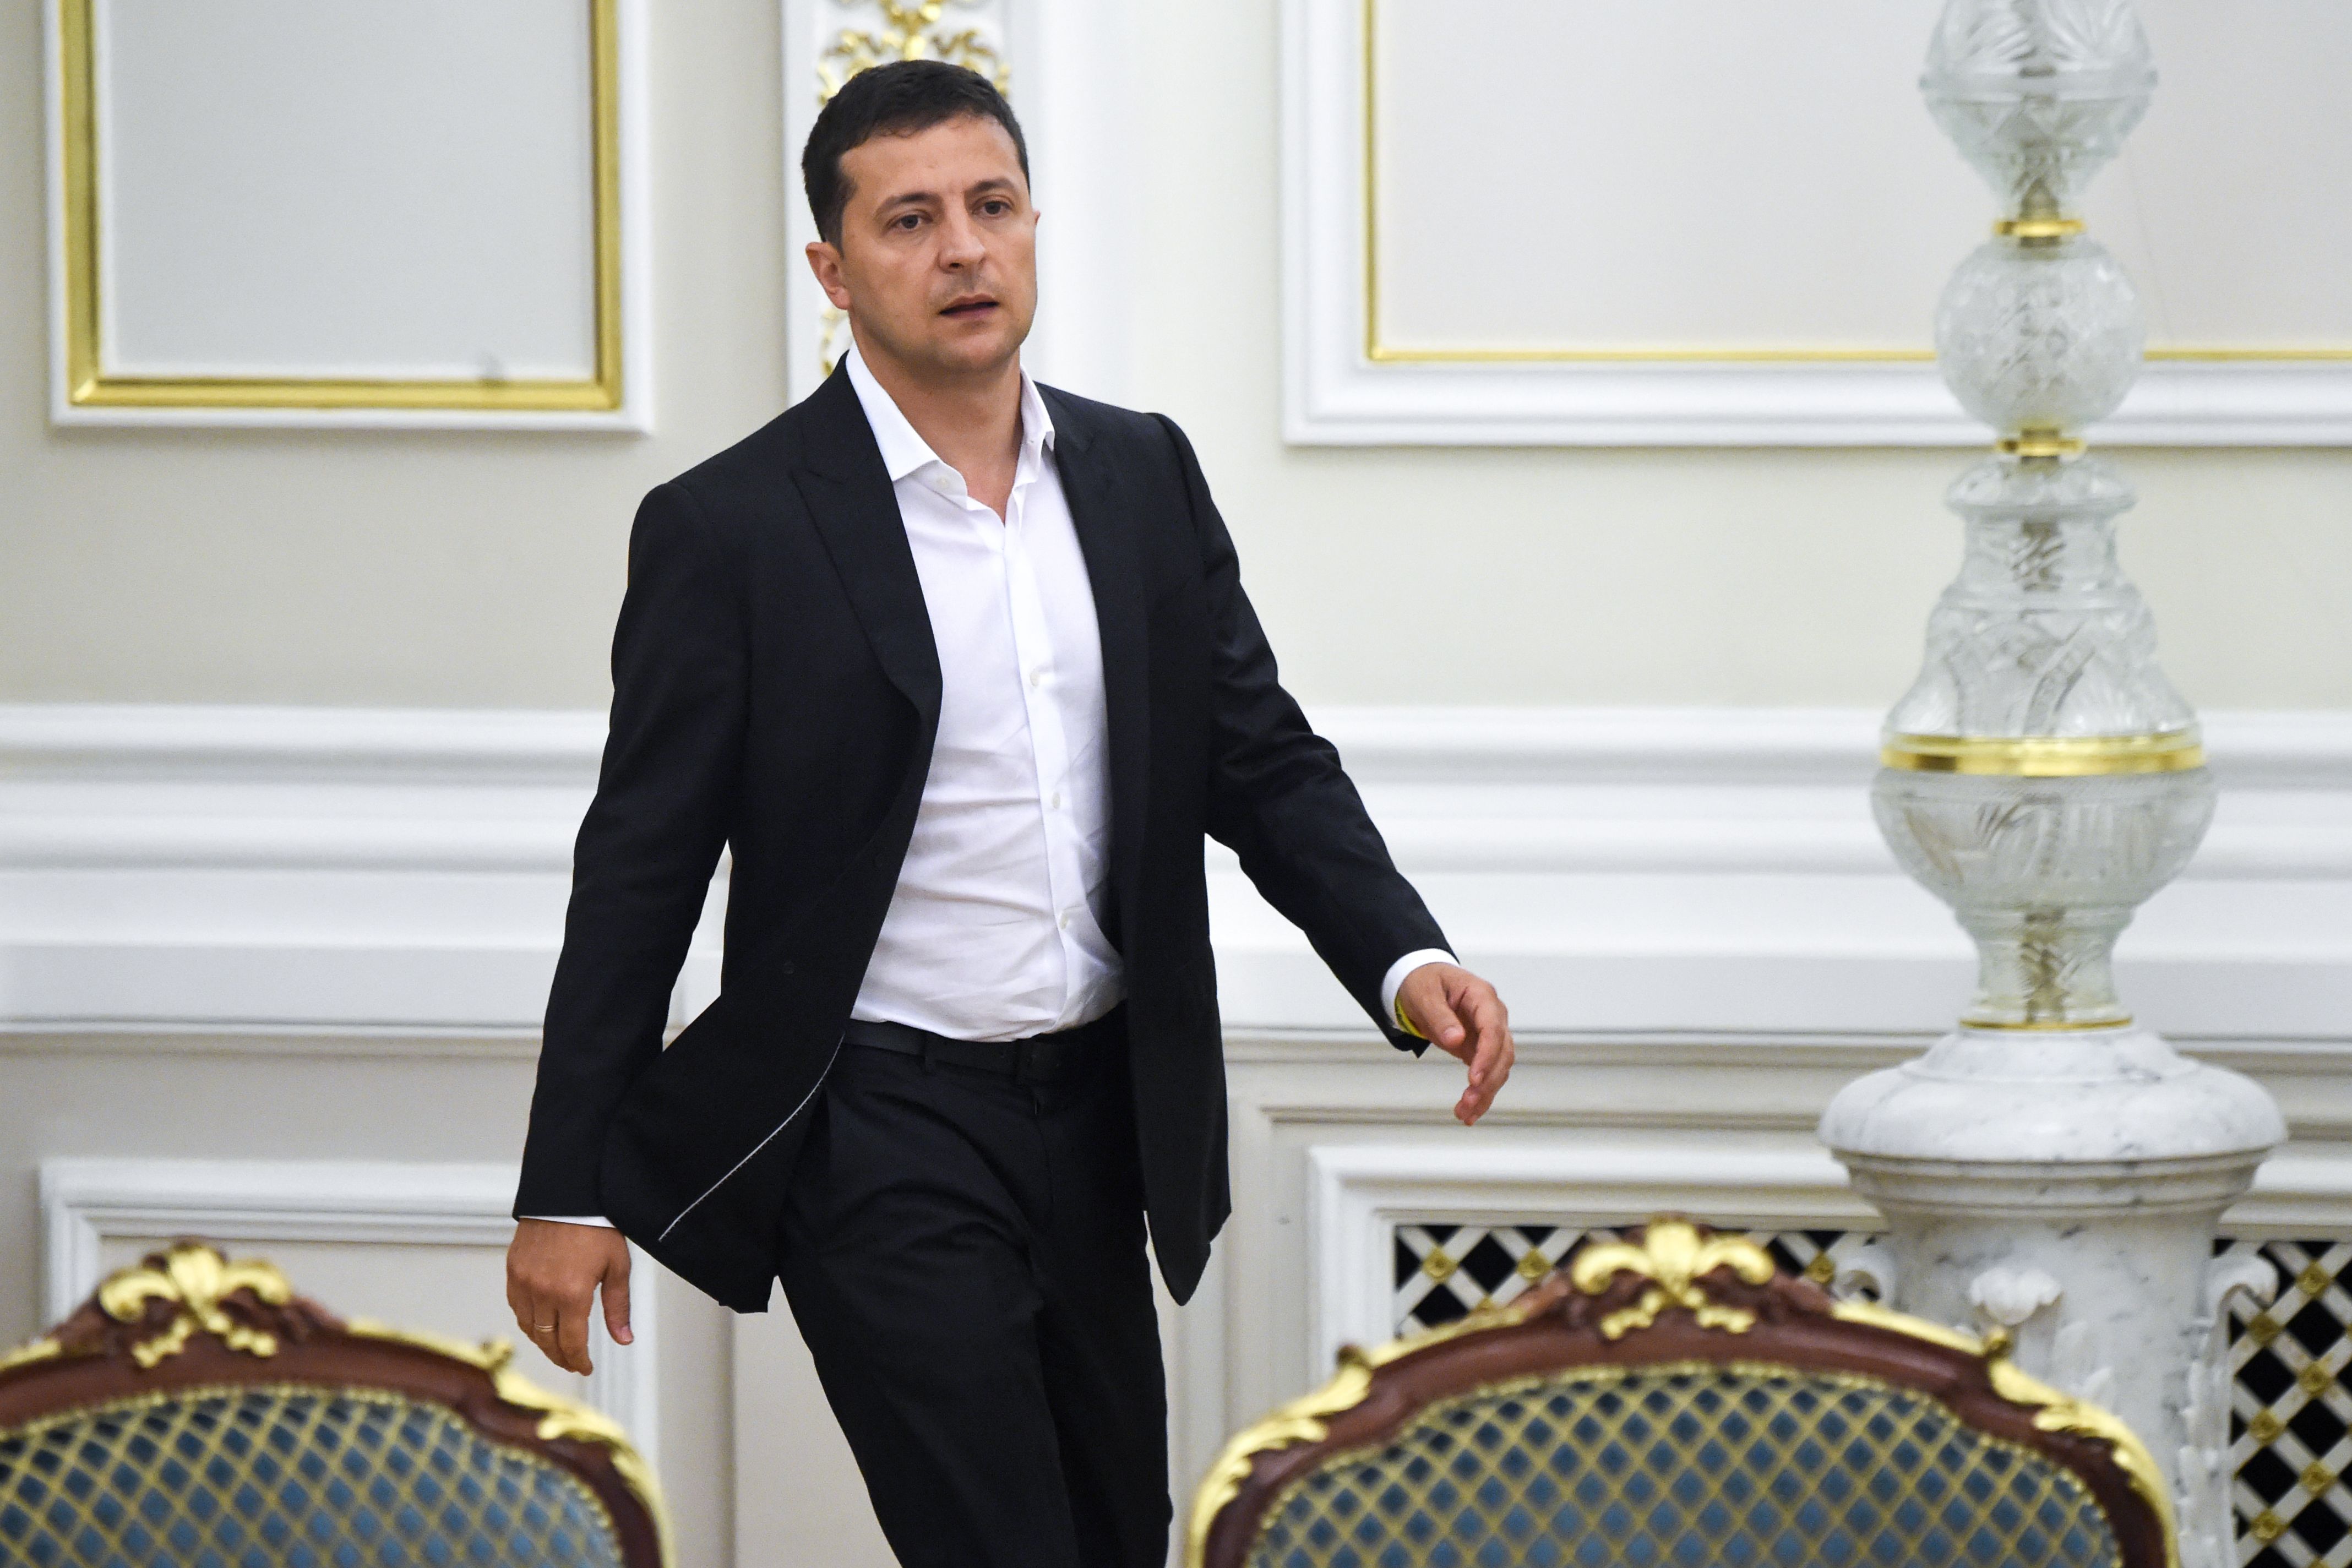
553	1271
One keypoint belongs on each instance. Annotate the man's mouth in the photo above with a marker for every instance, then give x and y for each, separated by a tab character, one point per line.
978	305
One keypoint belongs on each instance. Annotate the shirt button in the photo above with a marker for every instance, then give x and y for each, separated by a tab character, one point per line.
1036	678
1066	919
1055	800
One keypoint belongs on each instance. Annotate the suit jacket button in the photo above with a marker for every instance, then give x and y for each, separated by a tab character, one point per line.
788	966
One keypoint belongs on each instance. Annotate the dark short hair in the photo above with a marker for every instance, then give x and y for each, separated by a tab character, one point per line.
894	100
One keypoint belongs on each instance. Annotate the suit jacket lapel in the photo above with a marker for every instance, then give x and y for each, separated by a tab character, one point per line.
850	500
1104	514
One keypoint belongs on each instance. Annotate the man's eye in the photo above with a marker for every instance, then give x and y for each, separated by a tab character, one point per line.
908	220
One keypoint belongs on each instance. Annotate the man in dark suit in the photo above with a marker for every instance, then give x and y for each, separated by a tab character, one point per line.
962	670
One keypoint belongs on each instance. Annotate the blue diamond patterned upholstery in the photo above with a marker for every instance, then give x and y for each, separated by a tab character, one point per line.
285	1476
1688	1466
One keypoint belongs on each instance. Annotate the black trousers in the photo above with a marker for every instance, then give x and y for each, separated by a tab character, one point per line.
964	1255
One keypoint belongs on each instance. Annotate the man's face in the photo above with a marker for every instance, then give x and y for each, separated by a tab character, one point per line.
937	263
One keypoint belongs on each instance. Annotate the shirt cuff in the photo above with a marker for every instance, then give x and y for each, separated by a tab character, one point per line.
1406	966
573	1219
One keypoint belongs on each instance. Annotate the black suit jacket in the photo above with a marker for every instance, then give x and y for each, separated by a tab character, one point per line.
776	689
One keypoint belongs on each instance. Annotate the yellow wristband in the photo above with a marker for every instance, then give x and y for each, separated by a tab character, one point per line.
1404	1023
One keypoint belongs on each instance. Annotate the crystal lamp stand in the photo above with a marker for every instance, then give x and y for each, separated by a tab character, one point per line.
2049	1169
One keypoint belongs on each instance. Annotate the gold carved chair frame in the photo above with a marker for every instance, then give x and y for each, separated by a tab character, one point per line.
188	1321
1675	1296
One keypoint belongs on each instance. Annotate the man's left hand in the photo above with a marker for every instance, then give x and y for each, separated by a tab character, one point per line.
1462	1017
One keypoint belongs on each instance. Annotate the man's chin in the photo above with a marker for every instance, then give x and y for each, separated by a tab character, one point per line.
973	349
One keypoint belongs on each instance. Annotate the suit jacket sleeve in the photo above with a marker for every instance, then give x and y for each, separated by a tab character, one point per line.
646	849
1280	800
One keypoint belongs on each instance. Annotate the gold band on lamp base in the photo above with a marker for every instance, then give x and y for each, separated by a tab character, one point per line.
2040	444
2038	228
2045	756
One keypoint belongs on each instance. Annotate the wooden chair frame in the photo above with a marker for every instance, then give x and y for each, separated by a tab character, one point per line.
187	1319
1675	1293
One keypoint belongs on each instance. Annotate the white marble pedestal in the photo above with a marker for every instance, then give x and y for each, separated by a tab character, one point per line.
2065	1186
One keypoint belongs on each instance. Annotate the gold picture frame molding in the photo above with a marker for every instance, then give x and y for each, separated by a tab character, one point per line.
89	385
1380	353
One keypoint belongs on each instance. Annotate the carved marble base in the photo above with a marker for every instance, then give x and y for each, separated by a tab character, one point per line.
2064	1187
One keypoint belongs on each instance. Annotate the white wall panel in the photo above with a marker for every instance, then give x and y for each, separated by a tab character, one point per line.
1612	870
265	212
311	191
1716	223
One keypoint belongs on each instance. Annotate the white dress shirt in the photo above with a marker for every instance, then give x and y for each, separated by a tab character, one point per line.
995	932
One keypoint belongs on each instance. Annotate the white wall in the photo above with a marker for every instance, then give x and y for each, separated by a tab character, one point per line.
480	570
453	569
1610	577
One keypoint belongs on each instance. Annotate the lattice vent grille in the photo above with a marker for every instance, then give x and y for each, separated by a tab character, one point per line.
2291	1417
2290	1412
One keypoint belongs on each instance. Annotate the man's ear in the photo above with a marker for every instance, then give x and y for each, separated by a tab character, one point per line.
825	260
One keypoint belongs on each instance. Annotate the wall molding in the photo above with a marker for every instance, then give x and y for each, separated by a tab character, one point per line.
1641	871
1358	1194
1336	393
81	207
86	1202
1621	872
285	868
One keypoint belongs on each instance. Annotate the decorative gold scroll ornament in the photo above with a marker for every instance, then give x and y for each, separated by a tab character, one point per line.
1672	1253
47	1348
194	1278
909	32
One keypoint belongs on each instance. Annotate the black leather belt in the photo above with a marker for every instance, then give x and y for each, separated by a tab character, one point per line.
1039	1058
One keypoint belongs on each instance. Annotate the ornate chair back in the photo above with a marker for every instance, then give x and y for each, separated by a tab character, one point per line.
1674	1400
196	1411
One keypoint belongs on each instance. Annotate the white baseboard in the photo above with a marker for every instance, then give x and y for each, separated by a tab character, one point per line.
243	870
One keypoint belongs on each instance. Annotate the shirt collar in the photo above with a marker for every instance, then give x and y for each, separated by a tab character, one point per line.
904	451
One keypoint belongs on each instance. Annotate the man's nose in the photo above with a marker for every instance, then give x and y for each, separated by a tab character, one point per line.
960	244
